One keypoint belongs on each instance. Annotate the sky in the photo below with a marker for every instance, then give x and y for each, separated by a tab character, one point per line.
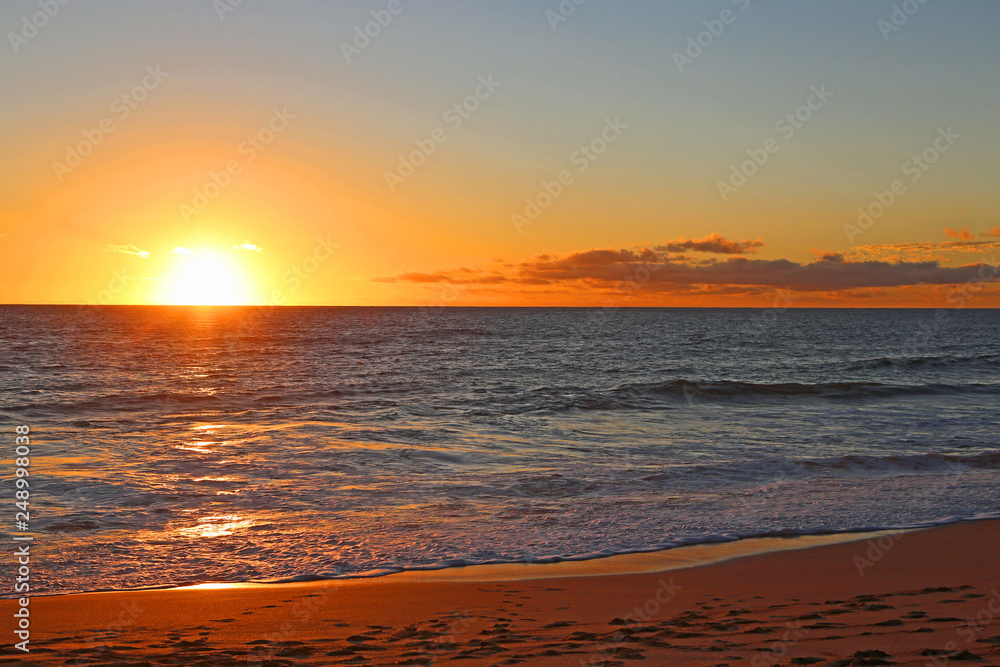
517	153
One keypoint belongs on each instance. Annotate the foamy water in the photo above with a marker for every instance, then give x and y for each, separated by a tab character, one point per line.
184	445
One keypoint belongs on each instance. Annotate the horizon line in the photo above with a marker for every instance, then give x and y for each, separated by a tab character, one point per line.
456	307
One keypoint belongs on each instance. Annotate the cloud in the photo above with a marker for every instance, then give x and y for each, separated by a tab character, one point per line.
656	270
414	277
828	273
181	251
127	250
993	232
714	243
246	245
963	234
941	251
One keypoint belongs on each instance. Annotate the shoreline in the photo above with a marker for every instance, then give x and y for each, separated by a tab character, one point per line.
697	554
913	597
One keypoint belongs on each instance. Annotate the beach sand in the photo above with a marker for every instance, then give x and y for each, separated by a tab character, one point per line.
925	597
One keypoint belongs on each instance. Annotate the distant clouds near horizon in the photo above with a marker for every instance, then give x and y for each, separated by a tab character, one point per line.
657	269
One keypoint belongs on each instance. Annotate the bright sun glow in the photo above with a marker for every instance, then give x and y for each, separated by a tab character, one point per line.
205	278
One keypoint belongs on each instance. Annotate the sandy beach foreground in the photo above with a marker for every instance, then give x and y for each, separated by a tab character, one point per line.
926	597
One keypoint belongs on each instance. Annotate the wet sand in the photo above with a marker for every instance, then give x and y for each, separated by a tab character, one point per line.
925	597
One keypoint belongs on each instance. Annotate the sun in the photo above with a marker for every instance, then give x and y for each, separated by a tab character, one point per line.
205	277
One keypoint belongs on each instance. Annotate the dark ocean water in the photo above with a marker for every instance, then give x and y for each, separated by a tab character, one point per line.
174	445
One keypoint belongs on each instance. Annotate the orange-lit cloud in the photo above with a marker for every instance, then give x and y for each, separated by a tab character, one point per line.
655	269
993	232
713	243
963	233
942	251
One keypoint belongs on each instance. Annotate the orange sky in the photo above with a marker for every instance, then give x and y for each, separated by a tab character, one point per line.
485	155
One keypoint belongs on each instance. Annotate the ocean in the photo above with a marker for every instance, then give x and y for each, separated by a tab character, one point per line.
180	445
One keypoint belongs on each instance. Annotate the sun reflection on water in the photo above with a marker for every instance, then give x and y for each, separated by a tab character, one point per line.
208	427
218	525
200	446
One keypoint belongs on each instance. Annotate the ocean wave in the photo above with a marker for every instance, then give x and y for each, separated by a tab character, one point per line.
683	391
929	462
942	360
773	470
673	393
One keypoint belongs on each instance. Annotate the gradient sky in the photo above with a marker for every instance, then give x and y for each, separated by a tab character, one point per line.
643	223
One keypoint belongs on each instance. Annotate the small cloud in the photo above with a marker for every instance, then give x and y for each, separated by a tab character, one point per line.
416	277
128	250
246	245
713	243
827	256
993	232
940	251
181	251
963	234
